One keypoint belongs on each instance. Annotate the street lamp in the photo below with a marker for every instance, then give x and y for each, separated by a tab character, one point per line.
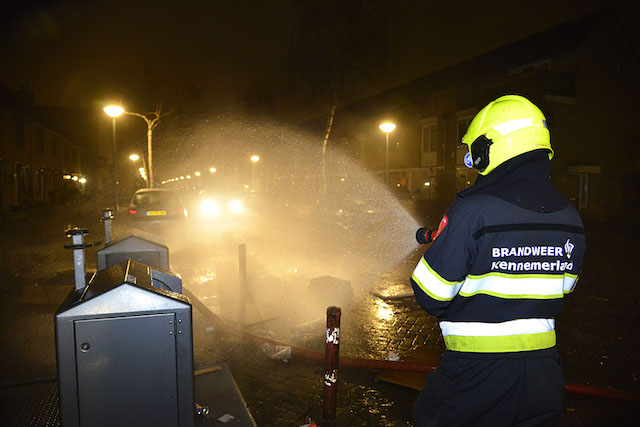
387	128
114	111
134	158
255	159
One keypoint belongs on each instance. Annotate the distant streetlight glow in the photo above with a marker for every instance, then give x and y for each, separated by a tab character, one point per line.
82	180
428	185
212	170
134	157
197	173
188	176
255	158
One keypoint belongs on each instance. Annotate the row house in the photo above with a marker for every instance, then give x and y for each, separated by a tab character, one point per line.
37	164
582	74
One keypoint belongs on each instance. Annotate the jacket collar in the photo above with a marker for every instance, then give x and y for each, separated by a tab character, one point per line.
524	181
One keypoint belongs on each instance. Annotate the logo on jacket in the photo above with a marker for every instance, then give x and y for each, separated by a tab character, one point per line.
568	248
443	223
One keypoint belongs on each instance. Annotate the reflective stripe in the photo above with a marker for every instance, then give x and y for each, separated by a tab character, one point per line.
502	285
434	285
513	125
505	344
570	283
514	335
512	327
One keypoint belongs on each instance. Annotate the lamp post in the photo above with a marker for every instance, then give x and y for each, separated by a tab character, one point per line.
387	128
134	158
114	112
428	185
255	159
151	125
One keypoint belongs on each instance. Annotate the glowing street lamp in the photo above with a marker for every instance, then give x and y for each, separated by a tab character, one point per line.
212	170
387	128
255	158
114	111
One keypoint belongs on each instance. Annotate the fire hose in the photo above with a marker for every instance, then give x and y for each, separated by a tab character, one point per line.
579	389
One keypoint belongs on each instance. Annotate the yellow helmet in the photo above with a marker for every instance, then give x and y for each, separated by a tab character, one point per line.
505	128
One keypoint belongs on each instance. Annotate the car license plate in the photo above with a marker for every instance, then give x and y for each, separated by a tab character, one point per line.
156	213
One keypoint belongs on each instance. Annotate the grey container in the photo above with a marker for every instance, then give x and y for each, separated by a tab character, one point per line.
124	352
152	253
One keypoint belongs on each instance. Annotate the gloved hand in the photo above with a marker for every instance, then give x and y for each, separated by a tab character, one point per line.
424	235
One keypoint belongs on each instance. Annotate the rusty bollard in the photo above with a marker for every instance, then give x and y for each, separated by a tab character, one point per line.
243	291
329	399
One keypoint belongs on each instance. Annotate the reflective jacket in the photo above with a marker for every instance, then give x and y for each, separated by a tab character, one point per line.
507	252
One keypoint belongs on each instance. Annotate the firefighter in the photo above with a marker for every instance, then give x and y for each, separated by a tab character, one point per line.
504	256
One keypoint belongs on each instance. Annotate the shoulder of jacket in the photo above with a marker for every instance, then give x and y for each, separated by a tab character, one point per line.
474	205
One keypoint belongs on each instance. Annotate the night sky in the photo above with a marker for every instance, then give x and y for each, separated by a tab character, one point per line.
84	53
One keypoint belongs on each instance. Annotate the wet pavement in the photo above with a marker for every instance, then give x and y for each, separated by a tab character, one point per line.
597	332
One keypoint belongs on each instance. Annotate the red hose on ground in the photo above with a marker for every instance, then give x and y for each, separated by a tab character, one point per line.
392	365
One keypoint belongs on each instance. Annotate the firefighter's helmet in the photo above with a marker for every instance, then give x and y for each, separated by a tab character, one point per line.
505	128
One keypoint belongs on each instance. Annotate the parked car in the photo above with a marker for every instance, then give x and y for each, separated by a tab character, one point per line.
157	205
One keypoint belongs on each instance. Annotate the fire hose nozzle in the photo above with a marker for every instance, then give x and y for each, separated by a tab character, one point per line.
424	235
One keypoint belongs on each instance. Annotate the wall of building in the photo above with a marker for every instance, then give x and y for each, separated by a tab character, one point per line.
588	90
34	161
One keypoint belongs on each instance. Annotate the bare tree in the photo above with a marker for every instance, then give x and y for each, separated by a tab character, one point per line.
152	119
334	45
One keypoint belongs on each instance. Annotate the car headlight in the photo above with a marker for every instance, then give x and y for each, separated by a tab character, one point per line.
209	207
236	206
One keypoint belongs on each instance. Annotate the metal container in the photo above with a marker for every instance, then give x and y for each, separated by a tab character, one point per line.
124	352
152	253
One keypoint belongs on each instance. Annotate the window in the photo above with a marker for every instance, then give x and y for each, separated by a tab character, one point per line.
19	123
430	136
533	66
40	139
463	119
432	153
